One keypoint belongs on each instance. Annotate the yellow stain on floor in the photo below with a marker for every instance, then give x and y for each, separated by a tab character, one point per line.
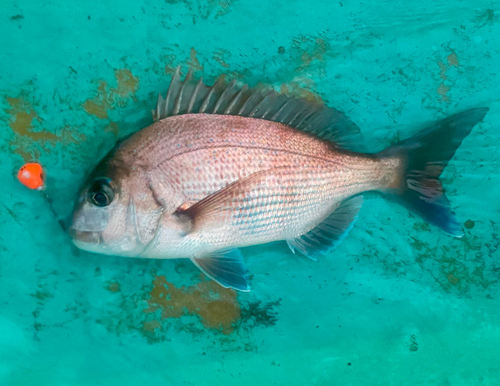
108	98
216	306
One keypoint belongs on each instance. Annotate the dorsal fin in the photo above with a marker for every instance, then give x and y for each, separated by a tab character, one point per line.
194	96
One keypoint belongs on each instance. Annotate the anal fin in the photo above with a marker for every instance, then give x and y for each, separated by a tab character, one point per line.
330	232
226	267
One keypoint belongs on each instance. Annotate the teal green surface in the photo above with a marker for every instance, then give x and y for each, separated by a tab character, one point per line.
398	303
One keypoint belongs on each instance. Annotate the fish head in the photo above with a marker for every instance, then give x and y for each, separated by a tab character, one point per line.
116	212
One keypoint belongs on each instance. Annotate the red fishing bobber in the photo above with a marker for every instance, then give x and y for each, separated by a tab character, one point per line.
31	175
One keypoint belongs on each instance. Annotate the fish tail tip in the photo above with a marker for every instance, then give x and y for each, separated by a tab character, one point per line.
424	157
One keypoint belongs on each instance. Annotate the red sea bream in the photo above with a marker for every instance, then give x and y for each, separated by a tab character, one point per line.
225	167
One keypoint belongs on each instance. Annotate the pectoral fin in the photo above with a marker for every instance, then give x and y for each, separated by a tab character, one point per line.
226	267
219	207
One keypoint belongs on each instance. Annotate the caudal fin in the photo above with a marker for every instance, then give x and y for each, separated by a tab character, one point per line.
425	155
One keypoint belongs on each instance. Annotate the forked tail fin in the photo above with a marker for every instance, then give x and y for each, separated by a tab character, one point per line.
425	155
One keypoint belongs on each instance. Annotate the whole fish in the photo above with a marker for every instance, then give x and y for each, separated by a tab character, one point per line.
226	166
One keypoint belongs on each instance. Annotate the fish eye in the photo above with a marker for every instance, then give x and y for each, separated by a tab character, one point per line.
100	192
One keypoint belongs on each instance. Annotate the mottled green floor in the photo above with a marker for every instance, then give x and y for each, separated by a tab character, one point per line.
399	303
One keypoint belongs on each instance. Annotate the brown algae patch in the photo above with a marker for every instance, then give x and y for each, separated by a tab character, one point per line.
127	83
219	57
112	128
108	98
217	307
151	325
218	8
22	116
316	51
159	309
113	286
28	141
99	105
308	54
297	90
193	62
169	63
442	70
453	59
442	90
460	266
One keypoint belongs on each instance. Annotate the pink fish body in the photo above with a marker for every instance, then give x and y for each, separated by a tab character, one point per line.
225	167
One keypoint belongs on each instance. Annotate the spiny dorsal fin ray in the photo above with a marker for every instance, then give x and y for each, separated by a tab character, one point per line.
191	96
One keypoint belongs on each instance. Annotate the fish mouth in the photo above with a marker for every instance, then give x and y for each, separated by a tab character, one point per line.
93	242
84	237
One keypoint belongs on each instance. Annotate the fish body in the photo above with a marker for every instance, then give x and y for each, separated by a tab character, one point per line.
218	171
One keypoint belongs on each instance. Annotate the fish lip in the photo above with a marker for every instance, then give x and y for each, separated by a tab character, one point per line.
84	237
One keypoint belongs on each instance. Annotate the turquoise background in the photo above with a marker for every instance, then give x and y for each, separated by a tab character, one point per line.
398	303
